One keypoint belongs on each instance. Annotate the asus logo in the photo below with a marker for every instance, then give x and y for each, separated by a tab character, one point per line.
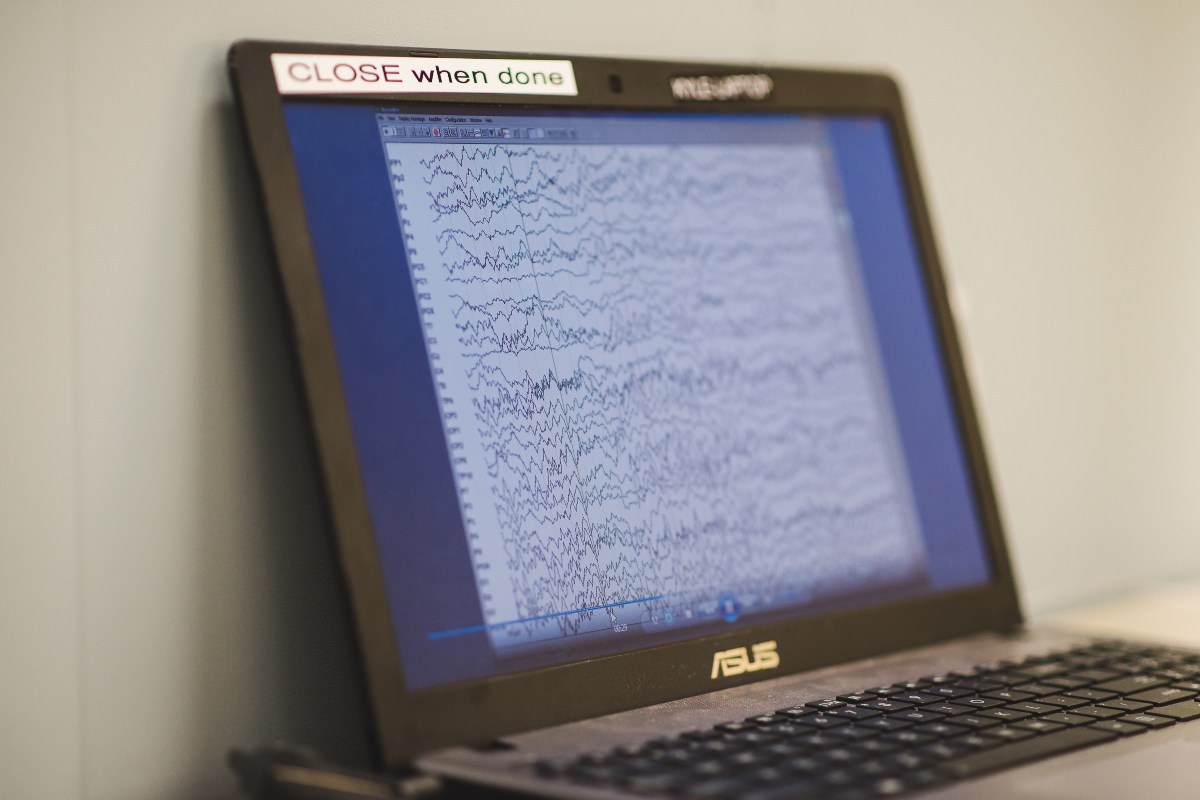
728	663
722	87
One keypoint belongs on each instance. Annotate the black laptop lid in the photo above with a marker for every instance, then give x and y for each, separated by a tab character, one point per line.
641	371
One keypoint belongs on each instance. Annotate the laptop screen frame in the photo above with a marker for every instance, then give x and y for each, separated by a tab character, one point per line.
474	712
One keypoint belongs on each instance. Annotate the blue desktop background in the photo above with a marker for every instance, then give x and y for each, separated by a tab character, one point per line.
402	455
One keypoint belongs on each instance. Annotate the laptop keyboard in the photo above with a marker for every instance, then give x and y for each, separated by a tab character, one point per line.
895	739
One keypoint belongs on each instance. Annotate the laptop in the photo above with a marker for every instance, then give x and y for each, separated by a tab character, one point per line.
651	458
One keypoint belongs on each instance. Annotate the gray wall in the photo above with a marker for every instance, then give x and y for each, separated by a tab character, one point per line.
165	590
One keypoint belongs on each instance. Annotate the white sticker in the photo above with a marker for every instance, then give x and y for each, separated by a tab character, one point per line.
297	73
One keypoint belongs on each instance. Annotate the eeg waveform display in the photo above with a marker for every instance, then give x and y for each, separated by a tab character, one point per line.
659	393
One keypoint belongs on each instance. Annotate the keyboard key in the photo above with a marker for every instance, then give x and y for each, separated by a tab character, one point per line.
857	697
1002	714
1010	696
1149	720
1125	705
918	698
979	702
1133	683
1038	671
974	721
656	783
676	756
786	729
1038	726
909	761
1007	677
1068	718
873	768
769	776
1155	661
949	709
839	755
917	715
1096	675
943	751
888	787
853	733
1178	673
753	738
908	739
885	691
705	770
822	740
885	724
838	778
785	749
552	768
878	747
1121	728
888	706
1037	689
1007	734
1187	710
1125	667
939	729
747	758
718	747
717	787
796	711
823	721
590	774
1028	750
950	691
980	685
1162	696
1094	695
1063	701
804	765
949	677
856	712
766	719
825	705
923	778
979	741
1096	712
1066	682
635	755
1033	708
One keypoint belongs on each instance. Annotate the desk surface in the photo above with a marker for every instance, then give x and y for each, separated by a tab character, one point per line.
1167	613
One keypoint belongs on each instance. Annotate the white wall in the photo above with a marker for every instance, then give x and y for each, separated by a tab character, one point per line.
165	590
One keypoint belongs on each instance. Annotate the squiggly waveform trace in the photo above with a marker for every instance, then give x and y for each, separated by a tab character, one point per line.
658	379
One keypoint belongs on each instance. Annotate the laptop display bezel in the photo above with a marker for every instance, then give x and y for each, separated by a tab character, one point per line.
477	711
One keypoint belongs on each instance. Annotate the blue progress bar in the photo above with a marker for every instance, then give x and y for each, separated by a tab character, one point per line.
481	628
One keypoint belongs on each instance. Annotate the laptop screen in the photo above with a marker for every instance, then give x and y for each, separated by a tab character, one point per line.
621	379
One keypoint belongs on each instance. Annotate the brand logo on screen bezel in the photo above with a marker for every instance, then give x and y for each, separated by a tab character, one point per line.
728	663
717	88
